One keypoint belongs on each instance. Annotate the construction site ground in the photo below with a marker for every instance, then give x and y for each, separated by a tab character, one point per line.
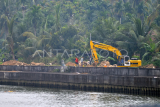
103	64
18	63
85	64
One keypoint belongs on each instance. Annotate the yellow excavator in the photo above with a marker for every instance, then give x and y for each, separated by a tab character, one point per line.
124	60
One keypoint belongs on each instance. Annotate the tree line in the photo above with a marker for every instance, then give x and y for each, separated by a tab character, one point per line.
29	26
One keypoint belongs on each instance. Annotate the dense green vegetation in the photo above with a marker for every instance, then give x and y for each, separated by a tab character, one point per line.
28	27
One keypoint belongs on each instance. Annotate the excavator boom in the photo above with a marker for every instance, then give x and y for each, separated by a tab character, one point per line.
94	45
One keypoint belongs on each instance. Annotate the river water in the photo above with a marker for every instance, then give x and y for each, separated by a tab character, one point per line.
17	96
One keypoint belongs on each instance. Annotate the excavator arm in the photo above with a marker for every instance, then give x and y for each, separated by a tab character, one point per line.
93	51
95	45
127	62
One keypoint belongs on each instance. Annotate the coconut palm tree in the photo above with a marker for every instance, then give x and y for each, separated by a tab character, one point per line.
43	43
10	25
119	10
135	2
35	16
57	24
22	2
135	36
27	46
4	7
106	28
155	13
152	50
3	26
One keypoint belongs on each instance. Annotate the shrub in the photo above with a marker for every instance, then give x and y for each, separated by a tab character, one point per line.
156	63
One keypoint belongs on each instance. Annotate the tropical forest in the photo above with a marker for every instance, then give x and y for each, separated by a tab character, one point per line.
49	30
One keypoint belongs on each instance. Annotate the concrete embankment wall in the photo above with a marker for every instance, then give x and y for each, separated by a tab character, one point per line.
121	80
92	70
138	85
29	68
117	71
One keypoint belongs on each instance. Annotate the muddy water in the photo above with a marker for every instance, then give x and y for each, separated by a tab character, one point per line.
17	96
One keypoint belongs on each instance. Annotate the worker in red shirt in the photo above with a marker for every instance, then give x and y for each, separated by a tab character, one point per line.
76	61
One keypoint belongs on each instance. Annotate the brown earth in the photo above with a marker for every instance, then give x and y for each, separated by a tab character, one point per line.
14	62
37	64
90	66
70	64
148	66
86	64
103	63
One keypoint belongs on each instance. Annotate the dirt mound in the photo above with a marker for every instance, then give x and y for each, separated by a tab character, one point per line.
89	66
115	65
148	66
85	63
70	64
94	64
14	62
37	64
103	63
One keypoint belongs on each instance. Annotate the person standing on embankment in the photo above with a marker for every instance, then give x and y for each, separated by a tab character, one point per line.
82	62
76	61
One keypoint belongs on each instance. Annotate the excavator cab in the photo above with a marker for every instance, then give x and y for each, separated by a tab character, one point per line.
124	60
127	61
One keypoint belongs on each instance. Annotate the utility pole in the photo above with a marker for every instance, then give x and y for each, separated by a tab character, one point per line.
90	52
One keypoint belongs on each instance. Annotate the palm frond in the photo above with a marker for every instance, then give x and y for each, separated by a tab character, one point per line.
146	46
157	46
110	58
43	42
141	38
29	35
153	15
156	57
133	35
147	53
139	27
10	24
122	43
9	39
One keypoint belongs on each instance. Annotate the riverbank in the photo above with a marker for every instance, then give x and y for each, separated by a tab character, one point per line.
102	82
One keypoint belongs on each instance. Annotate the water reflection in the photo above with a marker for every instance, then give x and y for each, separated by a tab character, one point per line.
16	96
